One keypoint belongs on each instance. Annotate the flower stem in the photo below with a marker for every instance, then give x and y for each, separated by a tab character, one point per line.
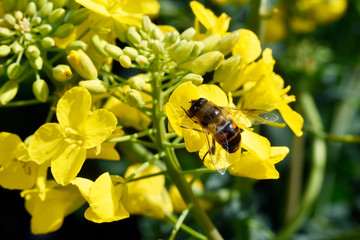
318	161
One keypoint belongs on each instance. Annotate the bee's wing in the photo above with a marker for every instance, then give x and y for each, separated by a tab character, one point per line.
256	116
217	154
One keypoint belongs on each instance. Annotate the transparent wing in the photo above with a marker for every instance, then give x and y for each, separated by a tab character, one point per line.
216	154
256	116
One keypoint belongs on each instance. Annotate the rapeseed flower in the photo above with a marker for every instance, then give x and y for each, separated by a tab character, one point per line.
64	144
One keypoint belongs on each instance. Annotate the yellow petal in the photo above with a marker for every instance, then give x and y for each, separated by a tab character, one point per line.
9	144
73	107
256	144
293	119
205	16
97	127
248	46
194	140
99	7
67	162
278	154
19	175
84	185
107	152
44	143
214	94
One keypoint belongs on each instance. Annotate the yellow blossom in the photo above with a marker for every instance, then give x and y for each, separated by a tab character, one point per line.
65	143
248	46
148	196
47	215
106	197
17	171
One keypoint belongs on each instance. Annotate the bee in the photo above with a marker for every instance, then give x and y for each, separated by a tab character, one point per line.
221	131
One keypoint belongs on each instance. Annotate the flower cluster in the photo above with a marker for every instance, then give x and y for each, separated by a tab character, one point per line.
72	49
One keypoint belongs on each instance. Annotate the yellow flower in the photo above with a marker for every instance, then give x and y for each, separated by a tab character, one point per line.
129	116
106	197
248	46
65	143
17	171
148	196
195	139
212	24
47	215
177	200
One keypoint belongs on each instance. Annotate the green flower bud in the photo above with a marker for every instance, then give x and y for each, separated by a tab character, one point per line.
16	47
46	9
125	61
158	47
35	21
156	33
99	45
62	72
37	63
171	38
133	36
147	25
60	3
8	91
10	19
227	43
196	79
13	70
6	33
44	29
4	50
40	90
113	51
64	30
210	42
31	9
131	52
228	68
133	98
32	51
76	45
181	51
57	16
95	86
198	47
137	82
78	16
207	62
188	34
47	42
142	60
82	64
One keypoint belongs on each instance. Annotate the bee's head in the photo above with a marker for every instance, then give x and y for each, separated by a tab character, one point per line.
196	105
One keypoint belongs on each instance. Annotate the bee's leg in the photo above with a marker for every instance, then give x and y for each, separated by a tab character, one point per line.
211	151
205	155
193	129
186	112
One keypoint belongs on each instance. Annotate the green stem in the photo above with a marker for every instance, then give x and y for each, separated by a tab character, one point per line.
256	20
186	228
318	161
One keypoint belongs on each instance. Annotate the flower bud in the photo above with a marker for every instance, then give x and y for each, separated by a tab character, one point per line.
147	25
31	9
207	62
228	68
156	33
158	47
16	47
13	70
4	50
125	61
99	45
171	38
40	90
59	3
8	91
47	42
82	64
181	51
188	34
44	29
198	47
133	36
35	21
57	16
6	33
95	86
37	63
10	19
196	79
137	82
46	9
131	52
142	60
40	3
78	16
227	43
64	30
210	42
32	51
62	72
133	98
76	45
113	51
